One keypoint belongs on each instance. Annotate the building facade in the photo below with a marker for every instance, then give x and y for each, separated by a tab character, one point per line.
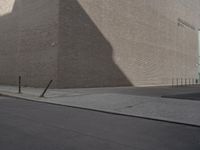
98	43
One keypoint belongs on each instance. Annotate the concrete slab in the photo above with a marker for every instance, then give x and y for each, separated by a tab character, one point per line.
114	101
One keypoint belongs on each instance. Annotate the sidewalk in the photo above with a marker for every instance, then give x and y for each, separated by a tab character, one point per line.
125	100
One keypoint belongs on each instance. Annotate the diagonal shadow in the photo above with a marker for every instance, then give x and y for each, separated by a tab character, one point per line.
85	55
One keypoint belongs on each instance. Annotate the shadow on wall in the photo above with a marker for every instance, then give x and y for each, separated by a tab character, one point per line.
8	40
85	56
26	38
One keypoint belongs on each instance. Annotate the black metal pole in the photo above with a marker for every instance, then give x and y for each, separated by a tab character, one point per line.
42	95
19	85
181	81
185	82
177	82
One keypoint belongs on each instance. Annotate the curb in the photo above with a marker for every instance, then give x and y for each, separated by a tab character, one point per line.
98	110
18	97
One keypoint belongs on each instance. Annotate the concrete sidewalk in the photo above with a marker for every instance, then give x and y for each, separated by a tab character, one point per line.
126	101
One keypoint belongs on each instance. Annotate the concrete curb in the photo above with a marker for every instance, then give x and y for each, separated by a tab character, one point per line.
41	100
14	96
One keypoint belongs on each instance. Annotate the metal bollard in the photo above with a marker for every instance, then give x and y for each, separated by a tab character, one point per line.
42	95
185	82
19	85
196	82
181	81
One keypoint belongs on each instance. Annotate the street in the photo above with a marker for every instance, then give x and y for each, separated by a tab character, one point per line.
29	125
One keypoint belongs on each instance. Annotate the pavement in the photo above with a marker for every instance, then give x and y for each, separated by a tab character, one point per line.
189	96
31	125
138	102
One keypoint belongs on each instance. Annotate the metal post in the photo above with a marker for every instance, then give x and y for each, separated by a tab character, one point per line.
172	82
19	85
42	95
181	81
177	82
185	82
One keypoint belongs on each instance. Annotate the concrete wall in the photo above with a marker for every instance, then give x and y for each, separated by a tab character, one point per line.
28	37
85	57
132	42
95	43
8	43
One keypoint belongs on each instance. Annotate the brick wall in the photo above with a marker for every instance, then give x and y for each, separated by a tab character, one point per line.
142	39
96	43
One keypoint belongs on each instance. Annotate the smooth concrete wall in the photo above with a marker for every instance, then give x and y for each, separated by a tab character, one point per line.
28	37
132	42
96	43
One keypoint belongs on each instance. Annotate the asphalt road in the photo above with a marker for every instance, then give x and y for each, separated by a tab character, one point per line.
27	125
190	96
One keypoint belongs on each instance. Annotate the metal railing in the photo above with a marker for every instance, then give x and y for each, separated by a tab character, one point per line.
180	82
